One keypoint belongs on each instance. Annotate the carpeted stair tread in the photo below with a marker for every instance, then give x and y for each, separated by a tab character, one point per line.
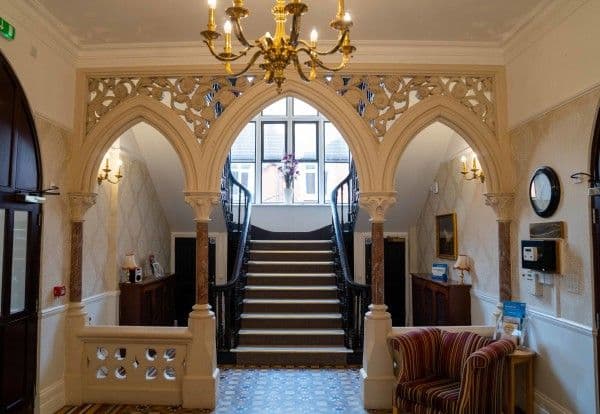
263	315
293	332
289	275
284	287
299	301
293	349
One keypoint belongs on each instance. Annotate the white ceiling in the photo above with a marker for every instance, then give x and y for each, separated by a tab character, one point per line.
102	22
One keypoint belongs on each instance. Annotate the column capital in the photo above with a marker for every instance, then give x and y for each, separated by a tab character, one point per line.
203	204
377	204
502	203
80	203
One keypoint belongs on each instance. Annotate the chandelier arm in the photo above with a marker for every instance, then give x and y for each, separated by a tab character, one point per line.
314	60
320	64
299	69
231	58
331	51
239	34
248	66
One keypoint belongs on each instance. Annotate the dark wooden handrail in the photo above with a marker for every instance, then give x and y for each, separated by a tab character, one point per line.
354	296
226	299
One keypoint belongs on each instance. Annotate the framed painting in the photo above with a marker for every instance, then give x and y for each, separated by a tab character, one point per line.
446	243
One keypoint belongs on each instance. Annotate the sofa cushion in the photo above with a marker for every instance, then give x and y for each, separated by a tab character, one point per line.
455	349
436	392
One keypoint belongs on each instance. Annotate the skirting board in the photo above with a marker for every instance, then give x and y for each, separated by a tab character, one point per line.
52	398
546	405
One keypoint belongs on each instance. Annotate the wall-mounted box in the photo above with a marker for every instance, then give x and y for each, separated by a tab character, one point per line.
540	255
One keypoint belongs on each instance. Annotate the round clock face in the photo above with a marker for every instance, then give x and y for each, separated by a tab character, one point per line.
544	192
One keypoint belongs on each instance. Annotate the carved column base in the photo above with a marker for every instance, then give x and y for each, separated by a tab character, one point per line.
377	374
201	380
75	322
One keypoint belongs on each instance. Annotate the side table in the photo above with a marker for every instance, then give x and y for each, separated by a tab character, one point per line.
520	357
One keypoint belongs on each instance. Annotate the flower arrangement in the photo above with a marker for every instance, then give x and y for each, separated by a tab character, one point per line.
289	169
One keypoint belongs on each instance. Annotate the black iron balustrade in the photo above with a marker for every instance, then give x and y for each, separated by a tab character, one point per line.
226	299
355	297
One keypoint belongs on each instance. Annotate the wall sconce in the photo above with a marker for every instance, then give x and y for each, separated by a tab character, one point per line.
476	173
462	264
104	175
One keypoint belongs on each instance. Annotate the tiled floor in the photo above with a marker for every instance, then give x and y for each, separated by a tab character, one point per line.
271	390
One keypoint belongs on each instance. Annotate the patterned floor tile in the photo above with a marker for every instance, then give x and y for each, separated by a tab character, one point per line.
268	390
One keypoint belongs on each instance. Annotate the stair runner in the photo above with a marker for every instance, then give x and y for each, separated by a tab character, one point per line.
291	312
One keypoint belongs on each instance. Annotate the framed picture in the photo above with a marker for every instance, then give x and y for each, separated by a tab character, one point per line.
157	270
446	243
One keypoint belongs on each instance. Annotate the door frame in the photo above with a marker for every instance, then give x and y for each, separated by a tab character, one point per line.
595	230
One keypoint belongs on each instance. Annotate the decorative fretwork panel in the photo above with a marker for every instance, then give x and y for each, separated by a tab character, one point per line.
109	363
198	100
381	99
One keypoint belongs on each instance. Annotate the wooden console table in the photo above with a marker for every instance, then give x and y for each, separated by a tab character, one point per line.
440	303
150	302
520	357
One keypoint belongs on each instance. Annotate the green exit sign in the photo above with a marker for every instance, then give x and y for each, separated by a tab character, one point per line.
7	30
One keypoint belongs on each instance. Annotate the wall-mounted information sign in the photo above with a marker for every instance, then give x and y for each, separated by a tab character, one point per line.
7	30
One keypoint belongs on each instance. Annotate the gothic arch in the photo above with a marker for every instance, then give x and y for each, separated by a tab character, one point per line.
119	120
494	158
226	128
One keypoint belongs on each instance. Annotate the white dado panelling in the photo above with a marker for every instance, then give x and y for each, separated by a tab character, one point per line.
102	309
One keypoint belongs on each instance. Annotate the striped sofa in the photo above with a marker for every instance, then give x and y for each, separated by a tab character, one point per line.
440	372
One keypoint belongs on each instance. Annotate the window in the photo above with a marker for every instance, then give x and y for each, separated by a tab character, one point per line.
290	126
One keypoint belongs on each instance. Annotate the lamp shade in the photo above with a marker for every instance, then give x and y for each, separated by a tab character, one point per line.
129	262
462	263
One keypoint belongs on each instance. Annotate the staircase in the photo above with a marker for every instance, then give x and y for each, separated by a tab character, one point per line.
291	312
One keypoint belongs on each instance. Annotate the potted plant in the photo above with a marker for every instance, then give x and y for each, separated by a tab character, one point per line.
289	171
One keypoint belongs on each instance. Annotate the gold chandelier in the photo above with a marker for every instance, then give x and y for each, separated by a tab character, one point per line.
280	50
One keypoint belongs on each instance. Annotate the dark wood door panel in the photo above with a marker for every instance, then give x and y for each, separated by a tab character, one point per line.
7	102
26	151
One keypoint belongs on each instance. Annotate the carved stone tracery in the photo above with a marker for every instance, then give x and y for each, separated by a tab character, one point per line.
378	99
198	100
381	99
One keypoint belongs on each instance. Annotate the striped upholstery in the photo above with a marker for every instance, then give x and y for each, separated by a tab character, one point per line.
448	373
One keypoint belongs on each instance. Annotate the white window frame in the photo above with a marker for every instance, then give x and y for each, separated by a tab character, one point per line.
289	119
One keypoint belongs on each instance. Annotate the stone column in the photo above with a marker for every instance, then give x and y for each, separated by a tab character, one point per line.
79	204
503	205
377	371
201	379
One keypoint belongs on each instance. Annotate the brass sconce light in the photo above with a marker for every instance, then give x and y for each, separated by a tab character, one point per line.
475	171
105	174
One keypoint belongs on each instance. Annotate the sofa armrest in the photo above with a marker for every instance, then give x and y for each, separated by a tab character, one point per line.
414	353
482	378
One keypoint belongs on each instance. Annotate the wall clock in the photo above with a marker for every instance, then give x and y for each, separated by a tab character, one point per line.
544	191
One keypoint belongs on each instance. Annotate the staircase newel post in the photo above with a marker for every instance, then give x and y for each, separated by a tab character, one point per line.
377	371
200	382
79	204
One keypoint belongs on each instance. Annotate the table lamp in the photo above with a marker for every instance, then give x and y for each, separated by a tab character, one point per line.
462	264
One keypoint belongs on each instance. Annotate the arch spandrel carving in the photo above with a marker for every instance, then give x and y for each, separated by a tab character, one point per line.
381	99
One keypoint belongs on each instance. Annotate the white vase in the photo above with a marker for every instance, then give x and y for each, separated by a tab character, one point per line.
288	193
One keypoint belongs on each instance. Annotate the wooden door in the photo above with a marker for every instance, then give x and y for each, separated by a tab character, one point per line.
19	246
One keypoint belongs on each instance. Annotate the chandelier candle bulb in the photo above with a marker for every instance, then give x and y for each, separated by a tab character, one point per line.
474	164
212	5
347	17
314	37
463	164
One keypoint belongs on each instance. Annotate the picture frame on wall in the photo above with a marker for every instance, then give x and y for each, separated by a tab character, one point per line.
446	241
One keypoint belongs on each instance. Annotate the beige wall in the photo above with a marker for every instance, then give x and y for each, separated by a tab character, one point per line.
142	224
555	60
476	226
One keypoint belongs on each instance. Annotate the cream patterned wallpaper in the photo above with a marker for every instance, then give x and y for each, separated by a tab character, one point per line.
142	223
54	265
476	225
560	139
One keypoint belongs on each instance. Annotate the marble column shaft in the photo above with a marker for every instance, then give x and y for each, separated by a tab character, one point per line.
377	260
504	260
76	261
201	263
